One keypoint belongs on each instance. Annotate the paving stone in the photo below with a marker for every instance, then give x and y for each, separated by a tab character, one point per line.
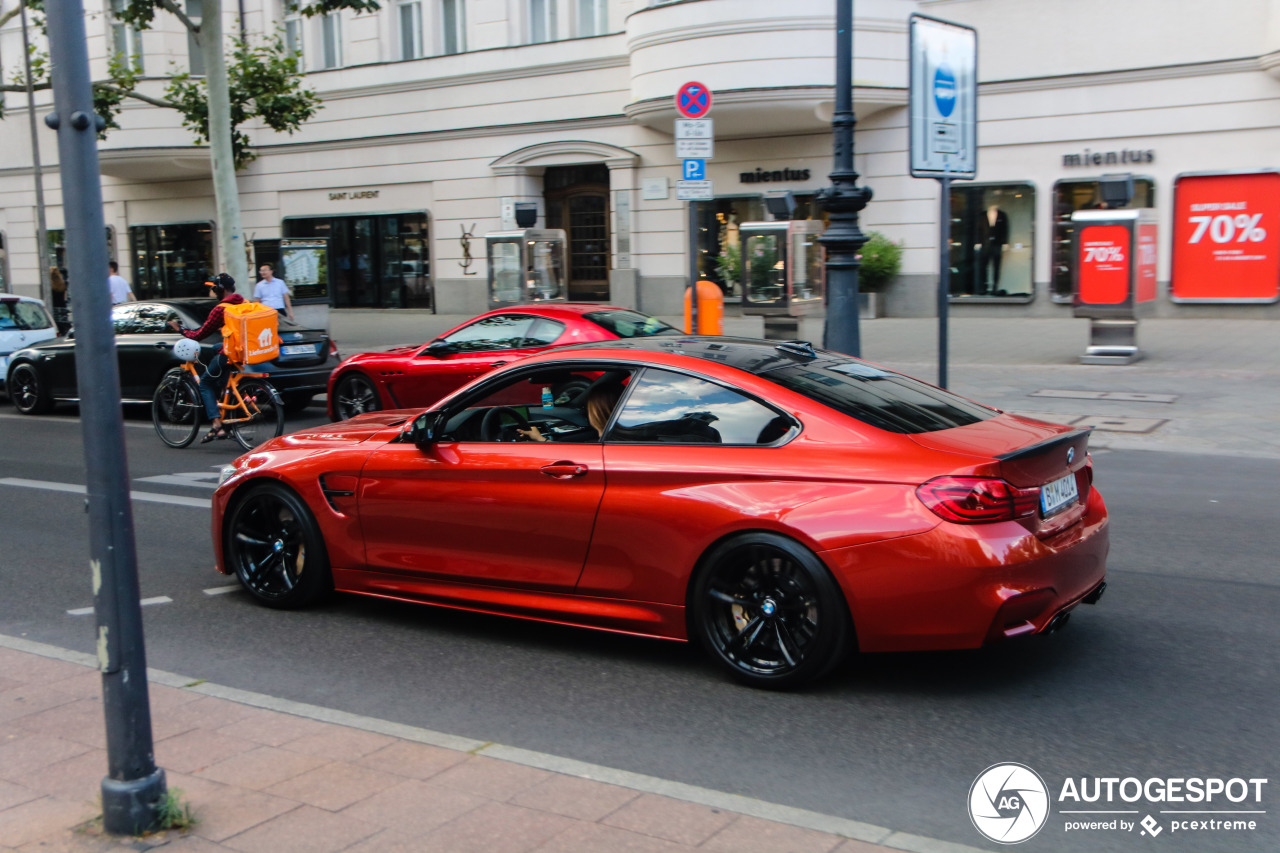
272	728
207	712
261	768
341	744
25	755
46	817
762	836
12	794
489	777
196	749
412	760
32	698
573	797
674	820
35	669
414	807
78	778
495	828
231	811
335	786
304	830
81	721
596	837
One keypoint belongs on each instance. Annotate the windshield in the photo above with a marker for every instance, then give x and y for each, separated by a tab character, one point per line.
630	324
879	397
24	316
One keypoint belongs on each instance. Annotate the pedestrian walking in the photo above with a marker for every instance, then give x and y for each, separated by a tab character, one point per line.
61	310
120	290
273	292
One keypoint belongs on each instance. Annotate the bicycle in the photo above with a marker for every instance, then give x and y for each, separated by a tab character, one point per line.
249	404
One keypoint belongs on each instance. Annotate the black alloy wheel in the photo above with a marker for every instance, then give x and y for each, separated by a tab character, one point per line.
274	546
265	409
767	609
354	395
27	392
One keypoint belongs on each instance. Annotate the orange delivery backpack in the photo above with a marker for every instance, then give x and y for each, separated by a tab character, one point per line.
250	333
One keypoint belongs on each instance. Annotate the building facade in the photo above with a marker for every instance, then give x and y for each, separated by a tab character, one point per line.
441	117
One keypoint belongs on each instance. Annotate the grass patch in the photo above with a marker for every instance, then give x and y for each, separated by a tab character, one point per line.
173	813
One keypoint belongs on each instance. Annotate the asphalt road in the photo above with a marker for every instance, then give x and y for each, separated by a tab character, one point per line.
1172	675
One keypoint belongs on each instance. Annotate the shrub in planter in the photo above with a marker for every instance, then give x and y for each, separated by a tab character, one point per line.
881	263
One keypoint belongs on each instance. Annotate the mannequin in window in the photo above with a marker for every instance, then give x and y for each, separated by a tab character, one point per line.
993	235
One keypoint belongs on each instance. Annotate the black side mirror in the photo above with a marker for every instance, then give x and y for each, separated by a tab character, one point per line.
438	348
425	429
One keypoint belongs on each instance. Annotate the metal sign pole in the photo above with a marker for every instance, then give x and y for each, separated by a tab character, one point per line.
693	268
134	787
944	277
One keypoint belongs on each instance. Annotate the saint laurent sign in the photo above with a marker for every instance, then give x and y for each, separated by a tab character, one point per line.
351	195
761	176
1109	158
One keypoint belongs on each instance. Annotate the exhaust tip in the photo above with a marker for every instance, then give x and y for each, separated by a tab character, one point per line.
1057	623
1096	596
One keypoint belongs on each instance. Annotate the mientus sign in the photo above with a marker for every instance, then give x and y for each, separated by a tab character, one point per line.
1110	158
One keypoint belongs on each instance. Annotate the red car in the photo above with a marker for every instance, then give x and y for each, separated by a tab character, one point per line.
780	504
419	375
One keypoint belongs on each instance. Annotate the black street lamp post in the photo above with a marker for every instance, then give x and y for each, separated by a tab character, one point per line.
842	201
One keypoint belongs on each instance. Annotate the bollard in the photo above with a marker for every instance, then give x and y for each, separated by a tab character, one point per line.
710	309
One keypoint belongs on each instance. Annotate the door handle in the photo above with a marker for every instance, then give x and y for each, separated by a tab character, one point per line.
564	470
496	363
162	345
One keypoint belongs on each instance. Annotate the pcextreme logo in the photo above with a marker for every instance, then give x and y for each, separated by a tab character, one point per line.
1009	803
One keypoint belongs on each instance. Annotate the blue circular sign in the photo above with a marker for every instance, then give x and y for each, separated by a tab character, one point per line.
944	90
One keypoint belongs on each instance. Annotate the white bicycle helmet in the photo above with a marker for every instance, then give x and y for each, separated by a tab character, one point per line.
187	350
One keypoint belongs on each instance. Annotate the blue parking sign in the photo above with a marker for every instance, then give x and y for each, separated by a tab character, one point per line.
695	170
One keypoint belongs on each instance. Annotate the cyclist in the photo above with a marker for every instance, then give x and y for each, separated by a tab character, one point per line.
224	290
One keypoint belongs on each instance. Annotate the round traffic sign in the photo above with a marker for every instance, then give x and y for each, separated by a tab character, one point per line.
693	100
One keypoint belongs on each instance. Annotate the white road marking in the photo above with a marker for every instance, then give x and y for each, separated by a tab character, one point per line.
152	497
222	590
53	419
197	479
158	599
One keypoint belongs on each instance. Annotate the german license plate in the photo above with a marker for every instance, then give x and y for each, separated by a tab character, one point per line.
298	349
1058	495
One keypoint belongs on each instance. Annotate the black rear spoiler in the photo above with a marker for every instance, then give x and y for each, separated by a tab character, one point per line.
1047	444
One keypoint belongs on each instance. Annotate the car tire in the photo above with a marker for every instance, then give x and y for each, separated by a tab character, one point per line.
354	395
768	611
274	546
26	390
294	403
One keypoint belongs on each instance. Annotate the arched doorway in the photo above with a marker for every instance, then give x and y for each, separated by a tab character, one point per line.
577	200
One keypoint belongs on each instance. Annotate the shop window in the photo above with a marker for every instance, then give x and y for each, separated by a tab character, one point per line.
56	242
171	260
372	261
992	235
593	17
410	29
126	39
453	27
719	243
1068	197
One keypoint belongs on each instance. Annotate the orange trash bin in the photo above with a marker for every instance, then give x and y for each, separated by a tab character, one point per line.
710	309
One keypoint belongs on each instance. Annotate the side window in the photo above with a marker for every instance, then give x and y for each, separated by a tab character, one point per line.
543	333
672	408
30	316
125	319
152	319
505	331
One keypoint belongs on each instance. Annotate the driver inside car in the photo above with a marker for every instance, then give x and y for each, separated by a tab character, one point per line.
600	402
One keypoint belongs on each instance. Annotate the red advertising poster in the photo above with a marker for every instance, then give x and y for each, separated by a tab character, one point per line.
1104	264
1146	262
1226	238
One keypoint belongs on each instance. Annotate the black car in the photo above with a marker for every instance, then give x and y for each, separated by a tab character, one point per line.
45	373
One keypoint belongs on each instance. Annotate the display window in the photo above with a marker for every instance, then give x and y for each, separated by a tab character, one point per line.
992	240
1082	194
1226	238
172	260
719	240
374	260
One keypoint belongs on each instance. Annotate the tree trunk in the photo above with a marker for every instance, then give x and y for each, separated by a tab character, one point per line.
231	249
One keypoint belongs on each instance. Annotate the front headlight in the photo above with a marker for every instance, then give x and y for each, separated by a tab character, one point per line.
226	473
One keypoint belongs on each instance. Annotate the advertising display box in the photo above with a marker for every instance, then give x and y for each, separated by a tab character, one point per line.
1115	279
1226	237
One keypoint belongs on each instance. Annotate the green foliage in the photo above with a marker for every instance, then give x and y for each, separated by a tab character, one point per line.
729	265
265	83
881	262
173	813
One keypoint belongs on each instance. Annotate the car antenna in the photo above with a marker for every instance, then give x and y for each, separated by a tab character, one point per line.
803	348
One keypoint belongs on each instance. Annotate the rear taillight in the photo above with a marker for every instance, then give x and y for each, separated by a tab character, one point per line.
977	500
333	348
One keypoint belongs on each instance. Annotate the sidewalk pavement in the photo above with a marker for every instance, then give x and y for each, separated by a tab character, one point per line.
1204	385
262	780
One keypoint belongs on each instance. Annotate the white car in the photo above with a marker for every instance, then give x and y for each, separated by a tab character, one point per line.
23	322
